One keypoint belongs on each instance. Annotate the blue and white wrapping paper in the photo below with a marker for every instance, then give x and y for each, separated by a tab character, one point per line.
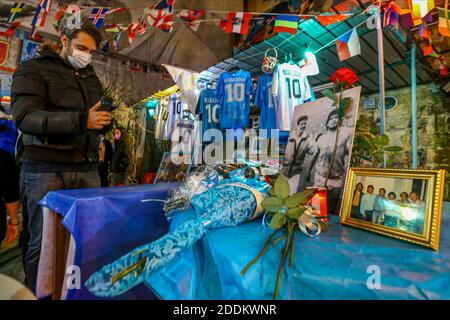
229	203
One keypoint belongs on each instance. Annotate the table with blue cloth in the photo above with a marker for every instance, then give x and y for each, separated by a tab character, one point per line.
103	224
338	264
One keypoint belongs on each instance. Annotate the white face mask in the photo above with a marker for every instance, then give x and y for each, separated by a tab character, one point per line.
79	59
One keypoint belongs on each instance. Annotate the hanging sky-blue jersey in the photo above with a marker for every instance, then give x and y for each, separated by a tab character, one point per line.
234	90
208	109
265	101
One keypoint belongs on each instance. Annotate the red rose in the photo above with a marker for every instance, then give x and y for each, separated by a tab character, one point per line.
345	77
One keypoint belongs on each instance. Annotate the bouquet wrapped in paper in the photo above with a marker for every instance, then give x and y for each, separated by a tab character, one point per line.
218	202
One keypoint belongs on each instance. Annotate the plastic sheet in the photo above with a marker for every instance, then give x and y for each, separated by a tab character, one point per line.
108	222
335	265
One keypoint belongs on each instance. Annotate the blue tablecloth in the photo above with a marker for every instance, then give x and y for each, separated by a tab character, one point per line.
108	222
335	265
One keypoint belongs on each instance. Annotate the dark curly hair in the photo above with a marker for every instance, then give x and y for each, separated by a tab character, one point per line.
85	26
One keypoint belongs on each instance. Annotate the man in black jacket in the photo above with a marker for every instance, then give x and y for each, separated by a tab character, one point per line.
55	103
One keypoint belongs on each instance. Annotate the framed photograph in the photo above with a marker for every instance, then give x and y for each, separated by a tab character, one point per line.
403	204
174	167
310	148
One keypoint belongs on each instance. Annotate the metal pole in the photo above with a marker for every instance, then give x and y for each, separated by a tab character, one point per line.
381	78
414	107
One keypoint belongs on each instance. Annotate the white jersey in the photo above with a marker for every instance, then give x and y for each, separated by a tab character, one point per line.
175	110
161	118
290	88
183	136
187	82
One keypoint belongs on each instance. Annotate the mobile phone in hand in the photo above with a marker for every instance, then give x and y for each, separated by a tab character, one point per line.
107	104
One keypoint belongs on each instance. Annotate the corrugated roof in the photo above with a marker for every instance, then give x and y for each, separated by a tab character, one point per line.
313	36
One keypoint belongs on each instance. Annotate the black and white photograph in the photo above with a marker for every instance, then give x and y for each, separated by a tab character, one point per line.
312	141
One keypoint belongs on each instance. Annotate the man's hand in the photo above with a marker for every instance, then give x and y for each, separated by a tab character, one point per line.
98	119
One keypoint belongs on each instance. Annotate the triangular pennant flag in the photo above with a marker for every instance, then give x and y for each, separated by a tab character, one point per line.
40	17
420	8
117	40
442	66
238	22
349	6
59	15
391	16
348	45
427	49
112	28
326	20
142	28
134	29
424	32
10	30
286	23
15	10
223	24
429	18
161	15
407	21
98	16
21	34
444	22
192	18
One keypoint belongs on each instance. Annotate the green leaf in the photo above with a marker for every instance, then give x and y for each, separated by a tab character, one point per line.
341	113
383	140
294	213
272	192
281	186
272	204
296	200
278	221
375	131
345	102
330	95
393	149
309	193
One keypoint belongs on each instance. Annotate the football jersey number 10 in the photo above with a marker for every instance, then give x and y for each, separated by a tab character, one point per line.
235	92
294	88
212	113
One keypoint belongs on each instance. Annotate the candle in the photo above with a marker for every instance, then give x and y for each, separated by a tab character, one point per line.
319	202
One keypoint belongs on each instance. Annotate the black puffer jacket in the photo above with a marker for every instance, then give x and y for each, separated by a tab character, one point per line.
120	159
50	105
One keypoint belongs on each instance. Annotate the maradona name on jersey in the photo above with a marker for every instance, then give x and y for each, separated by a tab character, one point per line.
235	79
293	73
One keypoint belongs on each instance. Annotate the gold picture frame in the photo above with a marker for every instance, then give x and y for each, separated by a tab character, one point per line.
396	214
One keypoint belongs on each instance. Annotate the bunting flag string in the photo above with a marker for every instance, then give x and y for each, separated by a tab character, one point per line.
160	15
42	10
